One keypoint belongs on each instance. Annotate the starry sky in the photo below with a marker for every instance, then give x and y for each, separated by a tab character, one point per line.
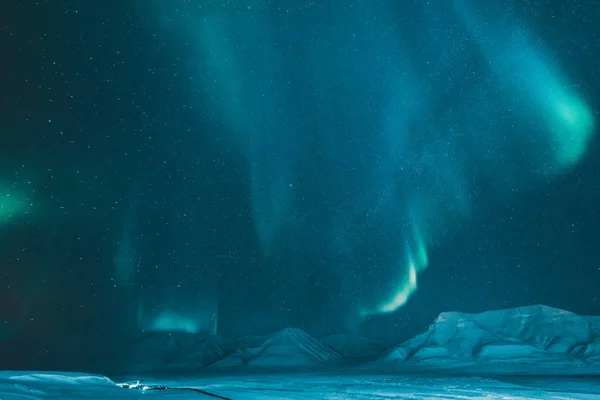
237	167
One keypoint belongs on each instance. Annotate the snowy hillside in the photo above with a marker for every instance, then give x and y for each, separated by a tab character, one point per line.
354	348
531	340
286	348
538	335
173	351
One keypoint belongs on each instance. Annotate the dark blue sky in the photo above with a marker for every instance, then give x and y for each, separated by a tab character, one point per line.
292	164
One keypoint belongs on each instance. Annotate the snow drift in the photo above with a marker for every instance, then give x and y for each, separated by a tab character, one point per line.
33	385
539	335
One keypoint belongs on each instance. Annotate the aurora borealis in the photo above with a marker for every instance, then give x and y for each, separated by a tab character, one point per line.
243	166
260	107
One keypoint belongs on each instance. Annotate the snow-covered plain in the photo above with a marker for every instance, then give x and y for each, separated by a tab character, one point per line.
67	386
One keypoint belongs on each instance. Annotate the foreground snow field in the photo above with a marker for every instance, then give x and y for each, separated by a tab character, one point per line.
19	385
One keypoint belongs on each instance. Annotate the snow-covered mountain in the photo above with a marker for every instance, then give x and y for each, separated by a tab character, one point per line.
174	351
520	337
531	340
287	348
353	347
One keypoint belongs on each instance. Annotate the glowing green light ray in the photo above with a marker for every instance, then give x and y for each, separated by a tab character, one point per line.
422	256
170	321
530	75
194	316
408	284
13	205
403	294
568	120
572	124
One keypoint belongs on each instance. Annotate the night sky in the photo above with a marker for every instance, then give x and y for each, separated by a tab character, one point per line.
250	165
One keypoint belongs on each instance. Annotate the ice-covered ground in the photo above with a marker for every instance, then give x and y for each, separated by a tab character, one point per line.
67	386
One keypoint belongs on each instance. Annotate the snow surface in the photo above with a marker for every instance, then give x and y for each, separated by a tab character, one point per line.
534	339
68	386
